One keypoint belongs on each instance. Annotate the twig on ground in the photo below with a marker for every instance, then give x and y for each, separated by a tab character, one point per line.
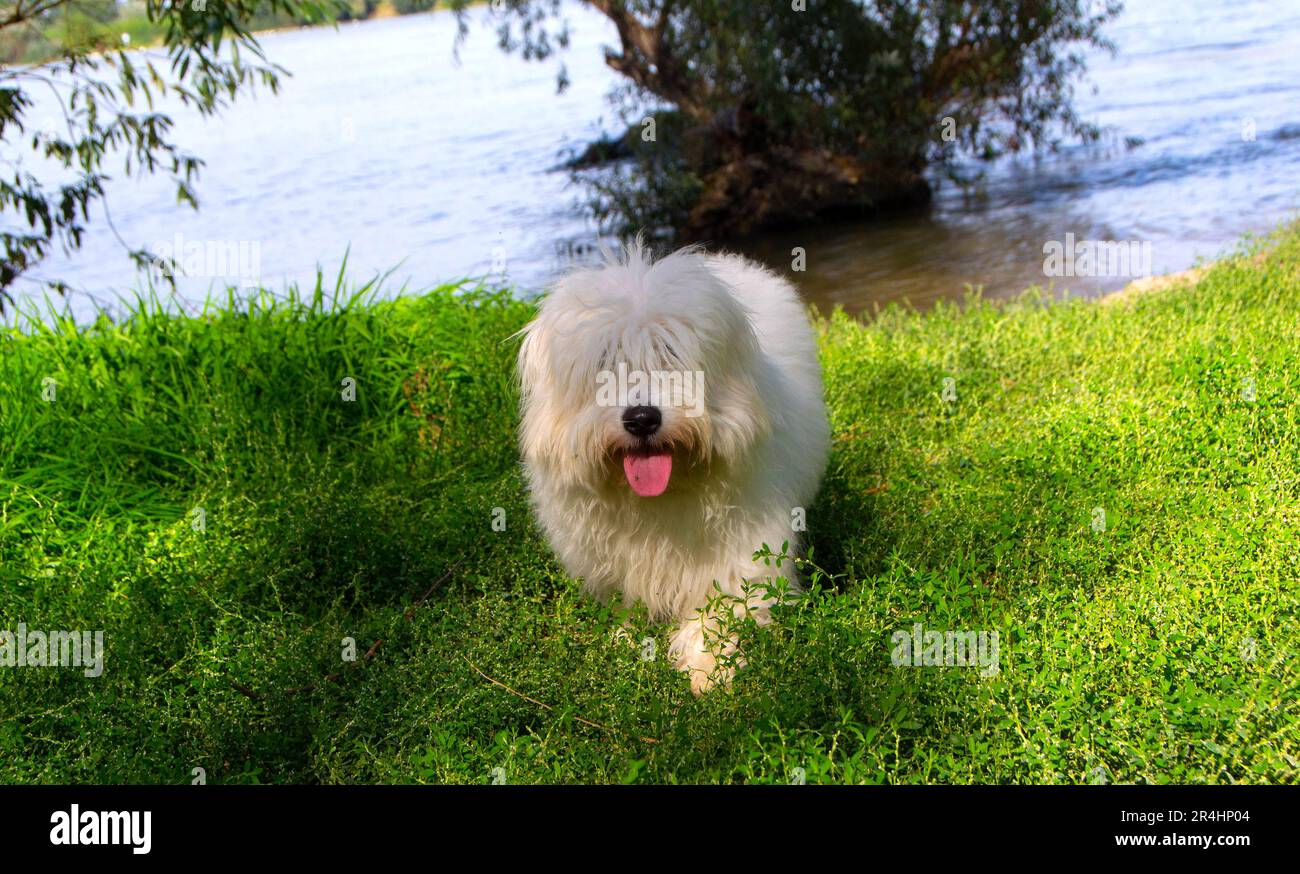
545	706
410	611
370	653
244	690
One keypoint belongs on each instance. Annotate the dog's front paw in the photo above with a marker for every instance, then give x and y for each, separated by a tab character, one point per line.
704	671
704	679
698	656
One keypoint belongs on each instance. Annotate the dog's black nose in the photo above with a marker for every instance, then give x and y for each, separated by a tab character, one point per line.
642	421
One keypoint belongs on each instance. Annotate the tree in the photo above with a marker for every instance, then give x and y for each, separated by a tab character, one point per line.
749	114
106	95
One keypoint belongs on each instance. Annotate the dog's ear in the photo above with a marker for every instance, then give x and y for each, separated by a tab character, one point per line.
530	363
737	404
530	373
738	413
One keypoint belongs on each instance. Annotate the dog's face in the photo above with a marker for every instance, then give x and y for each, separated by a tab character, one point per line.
640	376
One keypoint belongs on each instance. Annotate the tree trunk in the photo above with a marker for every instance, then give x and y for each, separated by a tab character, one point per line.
784	188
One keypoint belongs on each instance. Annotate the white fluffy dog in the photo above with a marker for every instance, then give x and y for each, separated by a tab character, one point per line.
673	422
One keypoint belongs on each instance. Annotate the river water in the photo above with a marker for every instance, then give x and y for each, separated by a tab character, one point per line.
382	146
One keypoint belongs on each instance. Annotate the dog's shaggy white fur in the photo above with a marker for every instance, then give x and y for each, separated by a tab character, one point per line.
670	515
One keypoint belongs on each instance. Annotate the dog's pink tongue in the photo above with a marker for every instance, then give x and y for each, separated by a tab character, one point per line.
648	472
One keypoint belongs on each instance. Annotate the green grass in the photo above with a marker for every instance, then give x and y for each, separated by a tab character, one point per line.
1125	653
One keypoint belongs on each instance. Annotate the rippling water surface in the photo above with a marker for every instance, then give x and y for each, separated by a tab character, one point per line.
383	147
